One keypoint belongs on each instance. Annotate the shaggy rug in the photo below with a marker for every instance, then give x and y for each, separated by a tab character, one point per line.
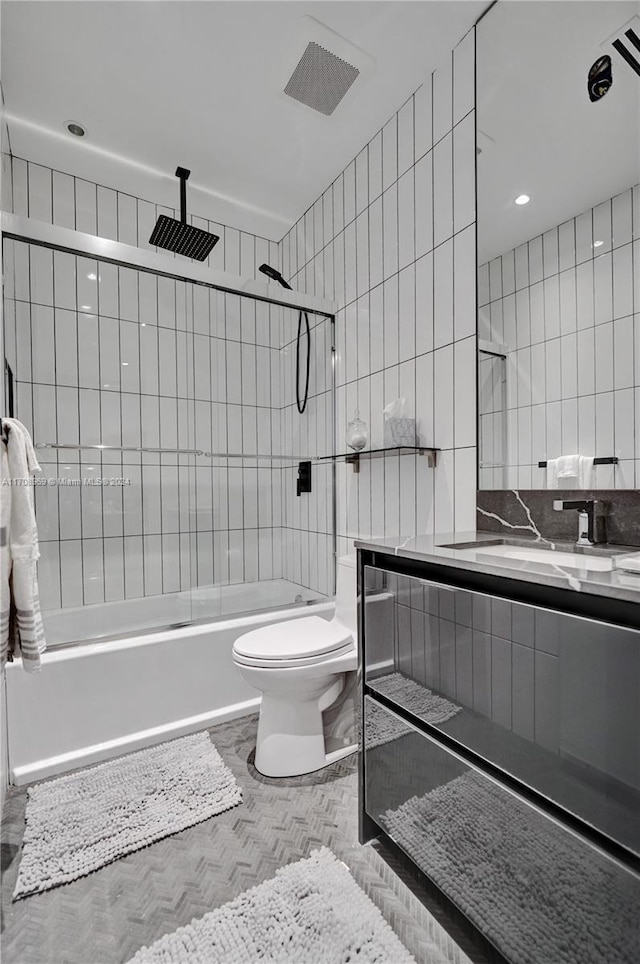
312	911
530	886
417	699
78	823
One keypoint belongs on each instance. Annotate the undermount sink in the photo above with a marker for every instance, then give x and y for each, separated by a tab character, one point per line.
552	557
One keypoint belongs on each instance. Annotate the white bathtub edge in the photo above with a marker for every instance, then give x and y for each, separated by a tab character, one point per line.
40	769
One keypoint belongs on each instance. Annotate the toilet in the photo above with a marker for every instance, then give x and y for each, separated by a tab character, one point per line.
300	667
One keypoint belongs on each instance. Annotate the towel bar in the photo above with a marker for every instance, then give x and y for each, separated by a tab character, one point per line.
611	460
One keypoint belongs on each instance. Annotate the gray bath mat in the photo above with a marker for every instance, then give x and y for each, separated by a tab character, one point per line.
417	699
312	911
82	821
532	888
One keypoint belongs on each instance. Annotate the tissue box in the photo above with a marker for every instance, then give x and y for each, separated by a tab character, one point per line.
399	431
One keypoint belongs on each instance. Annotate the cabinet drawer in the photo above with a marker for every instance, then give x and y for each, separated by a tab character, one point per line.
551	699
539	892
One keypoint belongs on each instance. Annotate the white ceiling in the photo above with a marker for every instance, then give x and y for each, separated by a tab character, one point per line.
547	139
200	84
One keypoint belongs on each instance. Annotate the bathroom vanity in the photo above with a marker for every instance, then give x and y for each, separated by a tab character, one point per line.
501	708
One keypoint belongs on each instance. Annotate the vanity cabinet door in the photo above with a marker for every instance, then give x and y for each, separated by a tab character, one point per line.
552	699
540	893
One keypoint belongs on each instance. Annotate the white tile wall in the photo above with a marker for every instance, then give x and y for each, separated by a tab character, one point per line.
406	320
574	344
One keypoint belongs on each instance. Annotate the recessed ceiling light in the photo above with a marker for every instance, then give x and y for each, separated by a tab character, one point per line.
522	199
85	307
75	128
125	363
598	244
92	277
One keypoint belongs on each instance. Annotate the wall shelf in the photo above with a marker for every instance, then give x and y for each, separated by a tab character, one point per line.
353	458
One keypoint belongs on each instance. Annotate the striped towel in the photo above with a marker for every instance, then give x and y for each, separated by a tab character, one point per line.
21	629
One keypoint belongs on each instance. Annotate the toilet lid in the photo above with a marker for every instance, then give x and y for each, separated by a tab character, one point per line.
294	639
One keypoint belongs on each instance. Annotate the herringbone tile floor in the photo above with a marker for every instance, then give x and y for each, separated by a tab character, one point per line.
107	916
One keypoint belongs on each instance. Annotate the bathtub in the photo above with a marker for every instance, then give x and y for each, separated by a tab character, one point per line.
96	700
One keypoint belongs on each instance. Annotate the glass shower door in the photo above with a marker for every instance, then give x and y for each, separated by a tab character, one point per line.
164	415
102	379
271	547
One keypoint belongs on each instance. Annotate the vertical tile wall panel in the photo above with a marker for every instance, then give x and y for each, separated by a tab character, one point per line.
398	311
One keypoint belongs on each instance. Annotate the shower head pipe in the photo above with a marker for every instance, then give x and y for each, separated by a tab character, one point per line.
180	237
183	174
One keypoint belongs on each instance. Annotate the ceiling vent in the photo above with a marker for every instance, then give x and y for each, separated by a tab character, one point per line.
322	66
321	79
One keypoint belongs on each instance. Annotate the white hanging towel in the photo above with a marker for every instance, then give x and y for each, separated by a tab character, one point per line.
585	471
568	466
552	473
21	629
569	472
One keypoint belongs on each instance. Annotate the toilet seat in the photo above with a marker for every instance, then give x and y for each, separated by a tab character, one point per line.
299	642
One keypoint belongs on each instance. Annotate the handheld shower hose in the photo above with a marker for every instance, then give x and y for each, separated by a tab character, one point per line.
275	275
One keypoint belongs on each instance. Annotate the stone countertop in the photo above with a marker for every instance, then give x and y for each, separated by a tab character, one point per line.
436	551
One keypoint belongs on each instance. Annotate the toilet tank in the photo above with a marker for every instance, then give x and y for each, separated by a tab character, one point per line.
346	593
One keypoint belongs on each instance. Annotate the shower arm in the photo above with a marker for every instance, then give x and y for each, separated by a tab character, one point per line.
183	174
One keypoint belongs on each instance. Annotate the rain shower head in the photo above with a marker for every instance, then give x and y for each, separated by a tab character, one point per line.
274	274
180	237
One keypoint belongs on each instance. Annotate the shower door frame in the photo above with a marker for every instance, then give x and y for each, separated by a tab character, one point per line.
69	241
74	242
494	350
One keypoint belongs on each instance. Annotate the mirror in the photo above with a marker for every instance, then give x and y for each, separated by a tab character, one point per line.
558	245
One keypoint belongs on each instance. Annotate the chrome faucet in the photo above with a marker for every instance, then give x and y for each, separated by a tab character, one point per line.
588	510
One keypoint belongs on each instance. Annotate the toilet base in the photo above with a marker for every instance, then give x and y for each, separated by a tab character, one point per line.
328	759
290	740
